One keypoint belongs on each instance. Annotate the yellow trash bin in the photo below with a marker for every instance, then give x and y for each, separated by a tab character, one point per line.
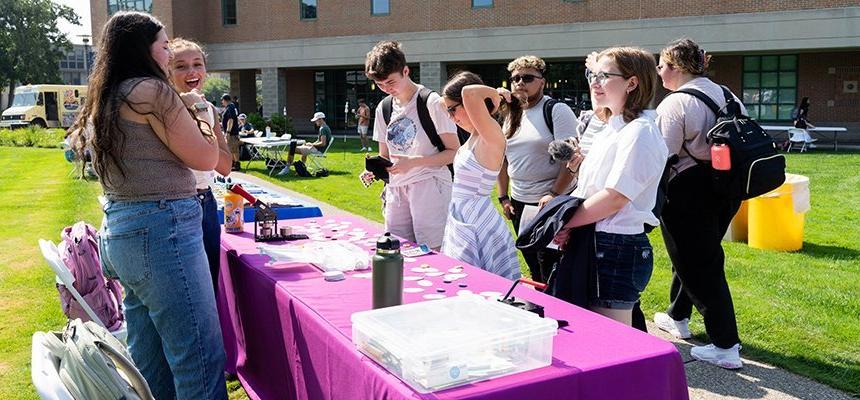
776	218
737	231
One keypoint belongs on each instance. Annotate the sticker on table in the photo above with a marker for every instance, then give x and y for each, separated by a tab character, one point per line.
456	270
409	259
413	278
491	295
434	296
413	290
365	275
464	292
434	274
424	283
454	277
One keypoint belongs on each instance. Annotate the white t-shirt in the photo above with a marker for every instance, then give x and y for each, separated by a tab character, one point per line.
629	158
405	136
529	169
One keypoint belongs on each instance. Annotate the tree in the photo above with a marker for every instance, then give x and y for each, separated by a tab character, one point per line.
214	88
31	44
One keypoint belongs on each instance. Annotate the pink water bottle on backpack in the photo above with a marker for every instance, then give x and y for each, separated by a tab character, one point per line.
721	159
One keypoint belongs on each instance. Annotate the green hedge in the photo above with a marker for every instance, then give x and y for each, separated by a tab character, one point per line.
32	137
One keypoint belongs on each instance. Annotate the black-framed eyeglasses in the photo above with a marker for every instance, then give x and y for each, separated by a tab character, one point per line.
453	109
526	78
600	77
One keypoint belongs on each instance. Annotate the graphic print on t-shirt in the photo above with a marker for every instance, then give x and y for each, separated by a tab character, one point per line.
401	134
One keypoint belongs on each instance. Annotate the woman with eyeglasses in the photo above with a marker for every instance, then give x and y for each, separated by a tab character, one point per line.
529	177
695	217
475	233
618	180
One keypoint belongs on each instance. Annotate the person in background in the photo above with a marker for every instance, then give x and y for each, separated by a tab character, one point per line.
188	74
317	147
146	139
529	177
245	127
619	178
475	232
363	114
230	127
695	217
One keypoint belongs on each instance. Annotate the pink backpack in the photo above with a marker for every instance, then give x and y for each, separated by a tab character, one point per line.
79	252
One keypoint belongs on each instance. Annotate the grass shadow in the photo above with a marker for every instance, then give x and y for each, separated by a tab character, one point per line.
829	252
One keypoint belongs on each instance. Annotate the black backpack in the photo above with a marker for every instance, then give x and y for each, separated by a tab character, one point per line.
301	169
756	166
425	120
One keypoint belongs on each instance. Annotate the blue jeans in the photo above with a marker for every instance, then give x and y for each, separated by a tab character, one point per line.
211	234
624	266
155	248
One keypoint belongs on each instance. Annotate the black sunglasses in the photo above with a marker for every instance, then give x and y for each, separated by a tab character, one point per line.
526	78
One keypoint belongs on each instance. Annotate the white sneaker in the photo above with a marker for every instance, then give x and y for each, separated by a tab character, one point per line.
363	149
679	329
726	358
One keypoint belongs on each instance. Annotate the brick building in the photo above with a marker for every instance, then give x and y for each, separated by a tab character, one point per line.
310	53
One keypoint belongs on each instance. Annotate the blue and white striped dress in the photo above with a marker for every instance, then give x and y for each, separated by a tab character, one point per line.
475	232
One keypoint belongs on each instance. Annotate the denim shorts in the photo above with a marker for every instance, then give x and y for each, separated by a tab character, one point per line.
624	264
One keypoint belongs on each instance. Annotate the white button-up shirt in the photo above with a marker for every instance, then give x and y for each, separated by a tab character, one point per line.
628	158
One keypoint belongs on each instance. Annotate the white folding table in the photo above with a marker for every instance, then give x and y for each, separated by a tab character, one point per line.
831	129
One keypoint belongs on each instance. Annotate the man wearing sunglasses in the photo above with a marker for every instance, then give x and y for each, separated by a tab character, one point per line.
529	173
416	198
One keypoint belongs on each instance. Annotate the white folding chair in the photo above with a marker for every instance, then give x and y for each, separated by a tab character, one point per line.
65	277
44	371
798	136
317	159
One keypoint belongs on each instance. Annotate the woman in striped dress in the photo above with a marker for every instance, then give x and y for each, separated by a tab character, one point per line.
475	232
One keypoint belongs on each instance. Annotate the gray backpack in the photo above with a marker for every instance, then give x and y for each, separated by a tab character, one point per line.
95	365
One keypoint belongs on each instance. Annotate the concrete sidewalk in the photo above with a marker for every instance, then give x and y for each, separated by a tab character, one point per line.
705	381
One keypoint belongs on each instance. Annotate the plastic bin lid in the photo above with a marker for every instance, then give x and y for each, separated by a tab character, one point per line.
430	328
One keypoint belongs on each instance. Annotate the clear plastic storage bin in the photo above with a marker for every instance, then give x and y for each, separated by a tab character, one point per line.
444	343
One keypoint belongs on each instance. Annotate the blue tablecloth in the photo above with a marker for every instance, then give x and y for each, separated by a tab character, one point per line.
285	206
303	211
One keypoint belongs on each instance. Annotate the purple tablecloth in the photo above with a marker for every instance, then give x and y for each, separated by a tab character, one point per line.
287	333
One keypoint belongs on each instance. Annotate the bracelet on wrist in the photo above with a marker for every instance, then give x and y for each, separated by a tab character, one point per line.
553	193
503	198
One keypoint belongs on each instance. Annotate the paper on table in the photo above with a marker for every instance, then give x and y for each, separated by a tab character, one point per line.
528	214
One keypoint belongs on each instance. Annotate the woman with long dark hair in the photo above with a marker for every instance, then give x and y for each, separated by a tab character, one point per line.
144	141
475	232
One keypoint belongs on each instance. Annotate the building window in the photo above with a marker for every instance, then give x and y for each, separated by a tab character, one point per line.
482	3
129	5
309	9
770	86
380	7
228	12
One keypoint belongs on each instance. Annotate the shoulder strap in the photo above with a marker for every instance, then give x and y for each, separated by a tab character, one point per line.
704	99
386	109
708	102
548	106
426	121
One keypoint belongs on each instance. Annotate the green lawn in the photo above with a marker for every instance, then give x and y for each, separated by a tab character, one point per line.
800	311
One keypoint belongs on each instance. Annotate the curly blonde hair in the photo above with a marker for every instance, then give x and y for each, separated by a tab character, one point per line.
179	44
524	62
